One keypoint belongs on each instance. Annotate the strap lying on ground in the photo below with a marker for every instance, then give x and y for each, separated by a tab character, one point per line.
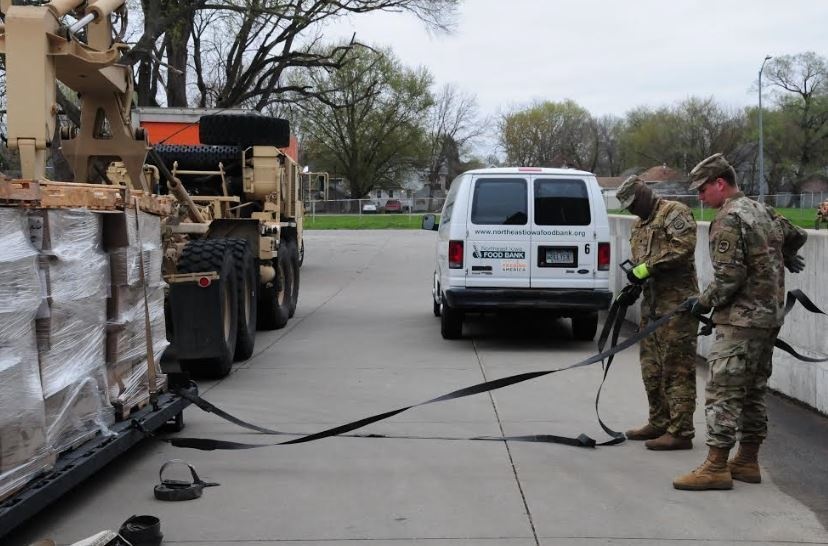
614	322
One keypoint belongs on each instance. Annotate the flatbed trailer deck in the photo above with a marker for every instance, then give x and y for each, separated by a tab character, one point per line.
78	464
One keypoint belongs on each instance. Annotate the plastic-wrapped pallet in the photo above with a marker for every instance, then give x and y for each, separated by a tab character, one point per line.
128	372
146	242
127	364
24	451
72	338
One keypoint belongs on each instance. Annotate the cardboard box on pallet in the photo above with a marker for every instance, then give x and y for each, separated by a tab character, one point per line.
72	335
131	237
24	452
78	413
126	333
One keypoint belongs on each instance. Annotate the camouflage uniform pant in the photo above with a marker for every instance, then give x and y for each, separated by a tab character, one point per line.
739	367
668	368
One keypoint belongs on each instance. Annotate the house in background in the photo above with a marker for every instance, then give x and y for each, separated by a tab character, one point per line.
665	181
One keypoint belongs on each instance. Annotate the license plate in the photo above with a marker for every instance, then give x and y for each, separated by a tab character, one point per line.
560	256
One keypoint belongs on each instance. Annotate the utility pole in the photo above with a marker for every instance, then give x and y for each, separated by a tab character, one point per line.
761	137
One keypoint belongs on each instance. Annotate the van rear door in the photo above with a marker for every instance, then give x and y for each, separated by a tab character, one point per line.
498	239
564	245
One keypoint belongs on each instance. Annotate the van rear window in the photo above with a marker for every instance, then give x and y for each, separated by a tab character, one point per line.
561	202
500	201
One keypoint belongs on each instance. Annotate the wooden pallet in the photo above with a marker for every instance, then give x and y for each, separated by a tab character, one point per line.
51	195
124	408
160	205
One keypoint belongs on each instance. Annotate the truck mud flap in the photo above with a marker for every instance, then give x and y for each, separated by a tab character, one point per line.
196	333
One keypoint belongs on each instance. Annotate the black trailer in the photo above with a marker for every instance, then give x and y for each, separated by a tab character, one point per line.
78	464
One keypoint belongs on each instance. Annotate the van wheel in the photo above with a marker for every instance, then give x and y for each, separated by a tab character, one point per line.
584	326
435	308
451	322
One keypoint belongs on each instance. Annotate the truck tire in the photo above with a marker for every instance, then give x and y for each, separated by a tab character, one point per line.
274	297
199	157
302	252
247	295
244	130
584	326
203	255
293	254
451	322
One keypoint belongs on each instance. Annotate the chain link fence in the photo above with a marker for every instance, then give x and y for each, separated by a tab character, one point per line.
403	205
779	200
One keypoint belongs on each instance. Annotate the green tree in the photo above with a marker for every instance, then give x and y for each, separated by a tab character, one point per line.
682	135
369	125
801	89
550	134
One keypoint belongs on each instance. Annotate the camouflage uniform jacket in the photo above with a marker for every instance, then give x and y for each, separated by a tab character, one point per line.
666	242
748	243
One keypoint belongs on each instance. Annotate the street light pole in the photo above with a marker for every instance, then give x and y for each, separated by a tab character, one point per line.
761	137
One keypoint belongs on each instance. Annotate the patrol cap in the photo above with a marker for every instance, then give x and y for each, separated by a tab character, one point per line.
626	191
708	168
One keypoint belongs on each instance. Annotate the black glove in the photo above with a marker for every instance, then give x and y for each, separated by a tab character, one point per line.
696	307
629	294
795	263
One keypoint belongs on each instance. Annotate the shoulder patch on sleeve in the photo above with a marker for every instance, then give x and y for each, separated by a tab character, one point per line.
725	246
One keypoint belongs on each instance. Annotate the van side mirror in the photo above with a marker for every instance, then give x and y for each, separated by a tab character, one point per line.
429	222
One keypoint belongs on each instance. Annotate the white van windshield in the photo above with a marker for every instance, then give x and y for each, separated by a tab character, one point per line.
561	202
500	201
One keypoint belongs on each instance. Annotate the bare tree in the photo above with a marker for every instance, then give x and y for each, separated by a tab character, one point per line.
243	50
454	122
369	127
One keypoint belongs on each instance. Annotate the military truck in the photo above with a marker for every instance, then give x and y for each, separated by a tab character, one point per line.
233	232
240	172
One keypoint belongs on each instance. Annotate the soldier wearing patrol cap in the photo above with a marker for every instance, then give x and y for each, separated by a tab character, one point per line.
750	246
662	245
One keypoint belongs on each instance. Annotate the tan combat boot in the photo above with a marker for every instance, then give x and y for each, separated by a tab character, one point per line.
745	465
647	432
712	474
668	442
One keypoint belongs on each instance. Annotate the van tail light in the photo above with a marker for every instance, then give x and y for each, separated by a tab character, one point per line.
455	255
603	256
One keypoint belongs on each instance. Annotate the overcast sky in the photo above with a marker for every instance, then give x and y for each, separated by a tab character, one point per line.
607	55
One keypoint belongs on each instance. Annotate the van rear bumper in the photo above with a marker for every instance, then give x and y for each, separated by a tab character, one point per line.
490	299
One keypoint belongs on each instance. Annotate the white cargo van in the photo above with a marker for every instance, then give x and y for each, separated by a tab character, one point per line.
522	238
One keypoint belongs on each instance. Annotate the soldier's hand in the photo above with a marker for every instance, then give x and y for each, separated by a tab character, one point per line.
795	264
638	274
696	307
629	294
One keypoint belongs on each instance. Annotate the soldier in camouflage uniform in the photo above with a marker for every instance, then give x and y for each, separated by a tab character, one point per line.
663	244
750	247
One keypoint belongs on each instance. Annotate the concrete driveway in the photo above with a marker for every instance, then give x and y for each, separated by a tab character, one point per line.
364	341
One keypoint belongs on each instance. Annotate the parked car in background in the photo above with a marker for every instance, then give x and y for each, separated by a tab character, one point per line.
369	208
393	205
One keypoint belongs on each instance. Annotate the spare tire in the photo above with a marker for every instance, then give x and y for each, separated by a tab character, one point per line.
244	130
200	157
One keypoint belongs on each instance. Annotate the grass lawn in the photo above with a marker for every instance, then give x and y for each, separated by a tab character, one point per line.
364	221
803	218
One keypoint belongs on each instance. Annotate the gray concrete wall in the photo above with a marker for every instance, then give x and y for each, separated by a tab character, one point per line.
806	332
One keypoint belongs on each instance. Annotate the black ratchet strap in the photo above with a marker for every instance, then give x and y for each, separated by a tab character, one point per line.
581	440
611	331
